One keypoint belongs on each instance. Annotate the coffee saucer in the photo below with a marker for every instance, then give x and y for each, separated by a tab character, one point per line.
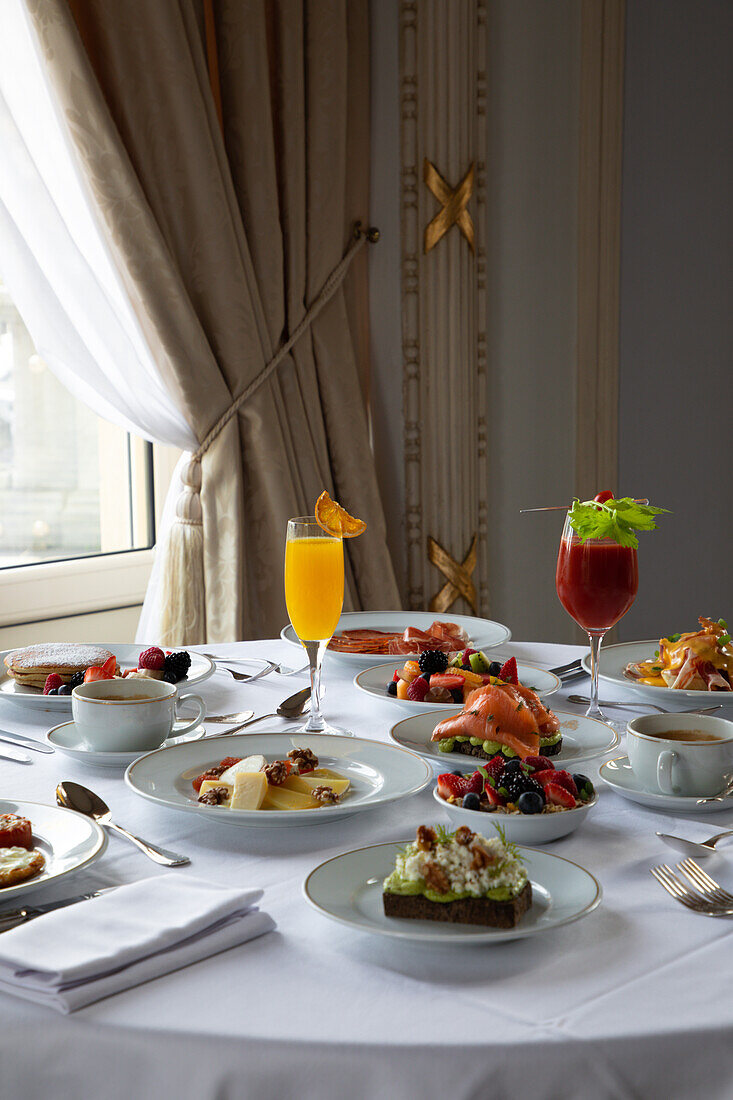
67	740
619	775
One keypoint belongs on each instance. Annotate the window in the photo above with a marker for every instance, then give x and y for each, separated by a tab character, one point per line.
71	484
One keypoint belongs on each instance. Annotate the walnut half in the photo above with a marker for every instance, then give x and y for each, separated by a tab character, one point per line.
326	795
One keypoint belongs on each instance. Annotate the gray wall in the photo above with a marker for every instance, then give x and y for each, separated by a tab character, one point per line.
676	355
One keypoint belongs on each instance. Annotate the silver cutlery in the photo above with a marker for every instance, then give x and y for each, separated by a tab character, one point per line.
571	668
28	743
290	708
707	886
635	706
281	670
237	716
706	904
697	848
244	677
11	918
24	738
724	794
16	756
76	797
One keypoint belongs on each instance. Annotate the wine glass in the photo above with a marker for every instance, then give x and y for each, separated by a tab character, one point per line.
596	583
314	594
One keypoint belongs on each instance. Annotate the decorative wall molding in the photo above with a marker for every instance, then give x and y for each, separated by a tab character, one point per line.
443	91
599	244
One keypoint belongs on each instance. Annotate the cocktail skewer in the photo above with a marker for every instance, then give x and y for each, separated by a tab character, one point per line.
564	507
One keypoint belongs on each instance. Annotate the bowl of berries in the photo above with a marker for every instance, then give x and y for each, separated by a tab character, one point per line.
534	801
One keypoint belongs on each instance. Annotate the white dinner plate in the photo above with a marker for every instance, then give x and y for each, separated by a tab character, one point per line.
127	656
378	773
615	658
68	840
582	739
484	633
375	680
67	740
348	889
619	775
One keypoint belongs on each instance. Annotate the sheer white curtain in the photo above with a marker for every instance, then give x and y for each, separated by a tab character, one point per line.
57	267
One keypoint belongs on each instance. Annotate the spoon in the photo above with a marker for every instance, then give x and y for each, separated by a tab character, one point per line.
635	706
693	847
75	797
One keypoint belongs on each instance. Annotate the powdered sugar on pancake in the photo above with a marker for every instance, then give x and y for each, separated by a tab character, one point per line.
57	655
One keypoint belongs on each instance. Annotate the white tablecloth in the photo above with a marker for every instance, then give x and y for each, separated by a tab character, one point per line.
633	1001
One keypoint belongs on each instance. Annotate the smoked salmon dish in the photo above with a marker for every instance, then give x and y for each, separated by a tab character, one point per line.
506	718
444	637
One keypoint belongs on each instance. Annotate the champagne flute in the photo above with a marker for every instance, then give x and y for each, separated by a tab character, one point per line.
314	594
596	583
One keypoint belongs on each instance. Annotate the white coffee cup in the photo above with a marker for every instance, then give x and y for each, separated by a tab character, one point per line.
668	765
130	715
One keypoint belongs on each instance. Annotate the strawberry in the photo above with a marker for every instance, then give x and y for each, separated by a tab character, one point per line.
565	779
495	766
52	681
465	656
452	786
153	658
508	671
544	777
418	689
475	783
539	763
101	672
494	797
559	796
396	676
446	680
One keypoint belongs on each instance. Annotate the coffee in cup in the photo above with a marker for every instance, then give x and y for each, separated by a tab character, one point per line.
681	754
130	715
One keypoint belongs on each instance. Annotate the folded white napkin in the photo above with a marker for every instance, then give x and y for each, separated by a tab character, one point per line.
79	954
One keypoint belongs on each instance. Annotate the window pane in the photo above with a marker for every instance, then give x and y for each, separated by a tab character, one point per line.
71	484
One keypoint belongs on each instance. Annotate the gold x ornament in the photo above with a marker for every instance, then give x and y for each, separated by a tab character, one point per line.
459	581
453	202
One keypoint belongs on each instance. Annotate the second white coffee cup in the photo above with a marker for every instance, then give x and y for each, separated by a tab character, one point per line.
665	762
130	715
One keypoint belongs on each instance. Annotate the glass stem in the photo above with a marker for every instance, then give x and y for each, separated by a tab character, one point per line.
594	710
315	651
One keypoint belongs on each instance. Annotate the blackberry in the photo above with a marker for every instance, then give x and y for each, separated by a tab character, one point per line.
176	665
76	679
515	783
433	660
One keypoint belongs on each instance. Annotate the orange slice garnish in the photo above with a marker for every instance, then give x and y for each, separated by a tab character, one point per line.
335	520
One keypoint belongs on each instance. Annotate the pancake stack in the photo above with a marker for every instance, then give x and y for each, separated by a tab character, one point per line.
31	666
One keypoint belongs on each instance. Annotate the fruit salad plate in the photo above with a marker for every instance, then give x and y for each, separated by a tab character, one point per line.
375	681
127	656
483	633
615	658
582	739
69	841
348	889
378	774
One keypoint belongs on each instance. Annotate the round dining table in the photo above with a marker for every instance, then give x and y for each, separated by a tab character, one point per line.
633	1000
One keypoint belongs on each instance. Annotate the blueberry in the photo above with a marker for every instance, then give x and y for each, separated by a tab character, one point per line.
457	772
392	687
513	764
64	689
584	785
457	695
530	803
52	691
494	668
471	802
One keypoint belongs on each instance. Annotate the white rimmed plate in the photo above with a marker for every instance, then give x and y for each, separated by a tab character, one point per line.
68	840
67	740
519	828
201	669
619	775
348	889
375	680
379	774
582	739
615	658
484	633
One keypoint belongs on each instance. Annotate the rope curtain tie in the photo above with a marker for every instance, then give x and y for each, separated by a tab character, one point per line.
188	506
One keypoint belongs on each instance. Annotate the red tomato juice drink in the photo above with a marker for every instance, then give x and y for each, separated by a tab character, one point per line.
596	581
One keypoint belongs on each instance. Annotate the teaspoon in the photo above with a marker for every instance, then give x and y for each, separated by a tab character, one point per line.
74	796
694	847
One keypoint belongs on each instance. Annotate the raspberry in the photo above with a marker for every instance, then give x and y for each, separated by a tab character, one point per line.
152	658
52	681
418	689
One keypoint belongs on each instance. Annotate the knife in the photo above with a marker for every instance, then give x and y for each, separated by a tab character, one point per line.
11	918
25	737
27	742
18	757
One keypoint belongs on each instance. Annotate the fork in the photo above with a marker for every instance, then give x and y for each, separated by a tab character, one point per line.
584	699
280	669
691	899
707	886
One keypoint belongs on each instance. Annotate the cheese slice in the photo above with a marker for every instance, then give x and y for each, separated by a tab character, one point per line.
325	773
250	789
254	763
209	784
306	783
280	798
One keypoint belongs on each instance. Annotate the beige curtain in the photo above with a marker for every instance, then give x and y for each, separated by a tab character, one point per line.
224	235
